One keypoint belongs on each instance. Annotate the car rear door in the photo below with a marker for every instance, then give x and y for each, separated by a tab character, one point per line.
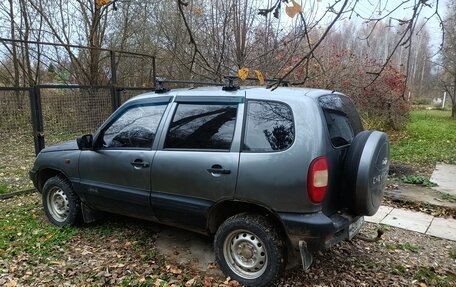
196	164
115	176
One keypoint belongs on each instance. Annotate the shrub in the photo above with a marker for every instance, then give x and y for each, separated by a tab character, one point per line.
382	102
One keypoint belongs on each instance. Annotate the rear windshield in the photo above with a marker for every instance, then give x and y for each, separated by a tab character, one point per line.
342	119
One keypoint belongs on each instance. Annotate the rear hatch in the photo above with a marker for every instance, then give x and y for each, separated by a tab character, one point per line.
343	124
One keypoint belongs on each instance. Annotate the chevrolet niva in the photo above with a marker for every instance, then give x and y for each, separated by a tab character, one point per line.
271	174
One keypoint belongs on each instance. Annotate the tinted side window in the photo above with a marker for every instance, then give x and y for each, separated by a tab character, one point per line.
342	119
135	128
202	126
269	127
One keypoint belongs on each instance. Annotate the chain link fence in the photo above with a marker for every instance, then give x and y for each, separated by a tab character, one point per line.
126	93
16	140
71	112
52	114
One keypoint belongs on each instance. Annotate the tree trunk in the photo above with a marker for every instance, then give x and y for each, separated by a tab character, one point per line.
453	109
14	49
94	42
15	59
453	96
26	48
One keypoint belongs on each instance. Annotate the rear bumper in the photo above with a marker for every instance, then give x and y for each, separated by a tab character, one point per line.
318	230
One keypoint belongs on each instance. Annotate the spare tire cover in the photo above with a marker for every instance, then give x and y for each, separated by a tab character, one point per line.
366	170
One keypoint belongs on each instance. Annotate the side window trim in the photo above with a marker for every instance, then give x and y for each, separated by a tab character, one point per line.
166	100
120	113
162	125
208	100
244	126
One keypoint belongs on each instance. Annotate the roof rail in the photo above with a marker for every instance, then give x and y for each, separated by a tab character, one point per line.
160	87
229	84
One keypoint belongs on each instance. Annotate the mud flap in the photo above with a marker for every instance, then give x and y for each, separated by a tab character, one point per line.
90	215
306	256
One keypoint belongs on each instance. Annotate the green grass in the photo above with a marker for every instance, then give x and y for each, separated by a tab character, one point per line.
23	231
430	277
430	138
410	247
453	253
371	264
418	179
399	269
3	188
448	197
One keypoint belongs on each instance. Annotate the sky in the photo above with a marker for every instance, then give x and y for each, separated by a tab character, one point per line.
405	12
379	8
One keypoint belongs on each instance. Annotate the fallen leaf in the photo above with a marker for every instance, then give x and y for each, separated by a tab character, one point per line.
294	9
243	73
198	11
101	3
259	76
176	271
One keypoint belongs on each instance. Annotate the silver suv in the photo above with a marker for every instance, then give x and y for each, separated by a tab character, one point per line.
271	174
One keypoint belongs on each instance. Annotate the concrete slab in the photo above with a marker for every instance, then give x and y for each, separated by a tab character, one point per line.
443	228
409	220
416	193
382	212
445	176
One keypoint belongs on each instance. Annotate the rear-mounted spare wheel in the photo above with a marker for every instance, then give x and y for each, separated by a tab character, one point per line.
366	169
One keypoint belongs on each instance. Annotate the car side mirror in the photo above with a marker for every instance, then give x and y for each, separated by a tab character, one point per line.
85	142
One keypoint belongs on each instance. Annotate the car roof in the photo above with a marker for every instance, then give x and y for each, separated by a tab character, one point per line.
243	91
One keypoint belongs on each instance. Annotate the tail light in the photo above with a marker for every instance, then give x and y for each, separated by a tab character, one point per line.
317	179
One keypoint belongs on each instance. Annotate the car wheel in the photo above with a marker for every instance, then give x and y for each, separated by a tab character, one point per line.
61	204
366	170
249	249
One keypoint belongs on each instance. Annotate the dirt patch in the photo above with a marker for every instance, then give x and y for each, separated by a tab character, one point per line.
399	169
186	247
400	259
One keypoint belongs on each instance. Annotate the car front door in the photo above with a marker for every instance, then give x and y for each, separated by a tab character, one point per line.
115	176
196	164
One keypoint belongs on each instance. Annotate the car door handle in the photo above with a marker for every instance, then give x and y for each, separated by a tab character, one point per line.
218	169
138	163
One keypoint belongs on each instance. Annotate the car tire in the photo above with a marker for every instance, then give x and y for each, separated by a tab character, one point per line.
249	249
61	204
366	169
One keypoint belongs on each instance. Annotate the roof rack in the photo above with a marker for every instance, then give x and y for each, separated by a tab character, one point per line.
228	84
160	87
284	83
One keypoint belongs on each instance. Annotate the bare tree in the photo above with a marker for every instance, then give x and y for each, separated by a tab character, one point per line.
449	56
